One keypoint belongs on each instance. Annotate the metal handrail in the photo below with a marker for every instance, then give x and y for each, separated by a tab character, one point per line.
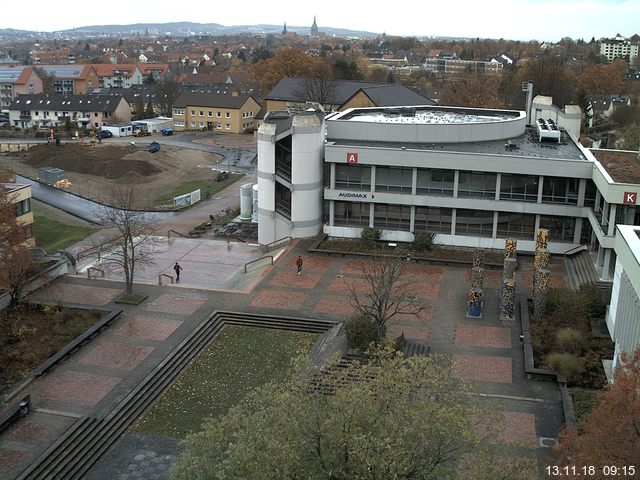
96	269
266	247
164	275
576	249
88	252
257	260
169	233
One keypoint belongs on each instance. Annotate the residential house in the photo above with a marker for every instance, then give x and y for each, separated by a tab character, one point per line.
121	75
601	106
20	196
89	111
290	93
17	80
229	113
70	79
159	71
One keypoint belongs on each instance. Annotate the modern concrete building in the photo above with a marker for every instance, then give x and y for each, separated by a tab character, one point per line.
472	176
290	177
623	315
618	47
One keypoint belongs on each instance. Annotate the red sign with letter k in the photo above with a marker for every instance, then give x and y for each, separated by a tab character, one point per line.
630	198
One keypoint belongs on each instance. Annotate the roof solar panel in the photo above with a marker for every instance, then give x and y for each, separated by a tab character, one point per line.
10	74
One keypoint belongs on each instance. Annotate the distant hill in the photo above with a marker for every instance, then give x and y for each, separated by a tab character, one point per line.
186	29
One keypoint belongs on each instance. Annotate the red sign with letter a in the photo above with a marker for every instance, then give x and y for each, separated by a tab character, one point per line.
630	198
352	157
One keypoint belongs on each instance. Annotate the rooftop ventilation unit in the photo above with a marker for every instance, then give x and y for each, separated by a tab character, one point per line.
547	130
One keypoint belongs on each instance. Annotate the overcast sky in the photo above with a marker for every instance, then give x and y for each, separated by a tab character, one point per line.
515	19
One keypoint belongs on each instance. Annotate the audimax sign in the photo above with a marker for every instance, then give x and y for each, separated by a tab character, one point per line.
364	196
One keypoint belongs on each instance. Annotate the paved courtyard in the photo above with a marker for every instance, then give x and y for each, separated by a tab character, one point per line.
484	351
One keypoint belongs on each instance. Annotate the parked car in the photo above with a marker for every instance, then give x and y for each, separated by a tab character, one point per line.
104	134
153	147
166	131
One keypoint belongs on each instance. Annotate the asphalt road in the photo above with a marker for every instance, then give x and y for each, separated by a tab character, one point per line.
79	206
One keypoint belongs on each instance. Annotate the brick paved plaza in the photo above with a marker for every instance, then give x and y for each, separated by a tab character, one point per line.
484	351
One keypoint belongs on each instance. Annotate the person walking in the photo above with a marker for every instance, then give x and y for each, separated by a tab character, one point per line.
178	269
299	264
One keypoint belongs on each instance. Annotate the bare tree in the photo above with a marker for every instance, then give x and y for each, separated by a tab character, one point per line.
165	94
319	87
389	293
134	244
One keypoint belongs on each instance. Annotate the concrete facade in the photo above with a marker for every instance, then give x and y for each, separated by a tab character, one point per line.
290	191
623	315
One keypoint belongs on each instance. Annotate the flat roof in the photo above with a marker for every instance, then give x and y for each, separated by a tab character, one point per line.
433	115
622	165
526	146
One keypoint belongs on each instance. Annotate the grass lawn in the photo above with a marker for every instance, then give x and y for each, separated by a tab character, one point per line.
209	185
53	235
32	333
238	360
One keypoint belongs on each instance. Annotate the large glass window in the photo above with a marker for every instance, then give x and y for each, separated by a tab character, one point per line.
353	177
435	182
394	179
474	222
477	184
516	225
283	200
560	228
519	187
392	217
433	219
560	190
590	194
23	207
351	213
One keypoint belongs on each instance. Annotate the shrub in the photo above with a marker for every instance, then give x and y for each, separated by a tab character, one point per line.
361	332
566	306
594	301
566	364
570	340
370	236
423	241
399	343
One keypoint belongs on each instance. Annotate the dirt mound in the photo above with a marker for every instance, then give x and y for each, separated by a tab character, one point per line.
110	161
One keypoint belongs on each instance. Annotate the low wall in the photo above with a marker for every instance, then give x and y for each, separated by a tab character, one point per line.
17	147
62	266
542	373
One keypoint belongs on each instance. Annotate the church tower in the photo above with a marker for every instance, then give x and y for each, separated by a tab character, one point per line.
284	31
314	28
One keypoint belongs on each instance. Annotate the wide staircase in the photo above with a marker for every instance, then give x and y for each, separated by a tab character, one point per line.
582	272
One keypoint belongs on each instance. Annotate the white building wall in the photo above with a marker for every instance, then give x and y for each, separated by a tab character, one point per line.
306	176
266	184
623	317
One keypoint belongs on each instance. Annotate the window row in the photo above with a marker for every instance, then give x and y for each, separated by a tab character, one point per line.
477	223
470	184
